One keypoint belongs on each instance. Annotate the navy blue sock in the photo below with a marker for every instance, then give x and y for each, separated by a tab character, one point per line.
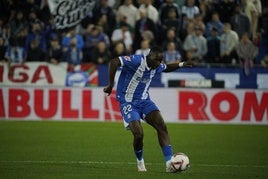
167	152
138	154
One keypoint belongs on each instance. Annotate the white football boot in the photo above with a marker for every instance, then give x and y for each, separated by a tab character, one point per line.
169	168
141	165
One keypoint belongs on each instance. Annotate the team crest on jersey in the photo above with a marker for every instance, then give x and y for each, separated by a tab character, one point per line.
127	58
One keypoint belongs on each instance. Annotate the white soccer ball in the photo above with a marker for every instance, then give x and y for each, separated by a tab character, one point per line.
180	162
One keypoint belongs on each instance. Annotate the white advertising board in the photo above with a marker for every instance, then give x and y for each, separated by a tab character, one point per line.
176	105
33	74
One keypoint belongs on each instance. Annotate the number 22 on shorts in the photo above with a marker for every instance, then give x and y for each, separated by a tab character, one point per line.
127	109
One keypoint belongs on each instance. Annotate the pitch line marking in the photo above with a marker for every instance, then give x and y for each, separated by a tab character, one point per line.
122	163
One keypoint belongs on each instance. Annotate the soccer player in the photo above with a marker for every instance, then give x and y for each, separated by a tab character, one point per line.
135	103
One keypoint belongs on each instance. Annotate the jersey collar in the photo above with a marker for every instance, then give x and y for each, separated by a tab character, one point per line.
146	65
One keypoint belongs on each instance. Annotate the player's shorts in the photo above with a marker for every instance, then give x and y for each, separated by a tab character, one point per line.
136	110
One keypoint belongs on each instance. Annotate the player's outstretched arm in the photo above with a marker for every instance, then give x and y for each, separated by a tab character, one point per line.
112	71
174	66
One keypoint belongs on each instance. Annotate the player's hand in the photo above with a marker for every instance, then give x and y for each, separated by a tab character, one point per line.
188	64
108	90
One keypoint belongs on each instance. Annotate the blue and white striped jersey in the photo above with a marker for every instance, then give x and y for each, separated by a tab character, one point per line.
135	78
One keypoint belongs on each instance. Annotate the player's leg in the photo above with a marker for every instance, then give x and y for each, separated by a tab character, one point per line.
155	119
132	118
137	132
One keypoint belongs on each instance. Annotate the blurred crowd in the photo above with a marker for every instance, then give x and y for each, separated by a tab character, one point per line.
205	31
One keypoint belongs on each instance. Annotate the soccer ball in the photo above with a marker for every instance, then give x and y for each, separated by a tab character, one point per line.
180	162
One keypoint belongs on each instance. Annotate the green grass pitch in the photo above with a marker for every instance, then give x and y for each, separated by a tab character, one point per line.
50	149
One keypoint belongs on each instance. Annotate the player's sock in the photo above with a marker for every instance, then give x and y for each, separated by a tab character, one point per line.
167	152
138	154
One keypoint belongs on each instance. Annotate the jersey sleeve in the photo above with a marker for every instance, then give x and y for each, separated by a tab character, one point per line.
129	61
161	68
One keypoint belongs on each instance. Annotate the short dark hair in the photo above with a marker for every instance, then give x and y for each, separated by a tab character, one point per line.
154	53
156	49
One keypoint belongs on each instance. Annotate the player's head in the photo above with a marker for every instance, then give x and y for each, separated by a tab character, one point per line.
155	57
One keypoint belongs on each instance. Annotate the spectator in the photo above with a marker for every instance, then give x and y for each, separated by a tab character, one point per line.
189	56
172	22
101	55
258	6
164	9
199	22
3	49
102	22
35	53
123	19
196	43
32	19
66	40
240	22
129	11
73	55
225	8
172	37
55	53
148	35
102	11
171	54
142	25
189	10
6	34
44	13
216	23
93	36
145	48
118	49
189	30
123	34
246	52
17	24
229	41
213	44
152	12
15	53
252	9
205	11
90	42
22	36
39	34
30	6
